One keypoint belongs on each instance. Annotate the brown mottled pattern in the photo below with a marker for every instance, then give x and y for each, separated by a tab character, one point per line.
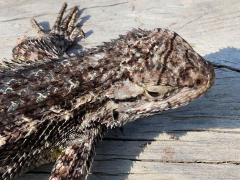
45	106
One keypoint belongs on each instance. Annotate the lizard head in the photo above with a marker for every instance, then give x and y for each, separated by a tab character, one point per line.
164	72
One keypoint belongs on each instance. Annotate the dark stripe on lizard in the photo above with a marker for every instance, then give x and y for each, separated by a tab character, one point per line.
169	51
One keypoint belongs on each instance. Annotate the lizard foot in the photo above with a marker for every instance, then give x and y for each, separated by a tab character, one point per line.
51	44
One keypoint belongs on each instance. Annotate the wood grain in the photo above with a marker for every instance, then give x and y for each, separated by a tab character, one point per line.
200	141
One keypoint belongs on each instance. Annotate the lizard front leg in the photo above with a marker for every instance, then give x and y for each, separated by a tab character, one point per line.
76	160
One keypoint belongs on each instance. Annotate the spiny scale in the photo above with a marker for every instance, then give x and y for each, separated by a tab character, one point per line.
50	102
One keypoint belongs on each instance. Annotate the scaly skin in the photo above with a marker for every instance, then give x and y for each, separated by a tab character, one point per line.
49	103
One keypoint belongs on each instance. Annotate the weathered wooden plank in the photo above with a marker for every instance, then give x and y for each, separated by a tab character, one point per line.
117	170
185	147
155	170
114	169
200	141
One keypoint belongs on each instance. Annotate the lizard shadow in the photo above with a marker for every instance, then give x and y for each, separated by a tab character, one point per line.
217	109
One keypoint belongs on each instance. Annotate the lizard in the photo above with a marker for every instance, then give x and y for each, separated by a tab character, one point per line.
55	108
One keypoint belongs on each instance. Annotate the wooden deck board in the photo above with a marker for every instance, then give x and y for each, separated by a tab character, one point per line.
199	141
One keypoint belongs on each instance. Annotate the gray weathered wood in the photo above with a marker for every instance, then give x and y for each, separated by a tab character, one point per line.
199	141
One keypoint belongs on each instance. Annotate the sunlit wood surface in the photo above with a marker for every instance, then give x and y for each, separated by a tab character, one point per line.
199	141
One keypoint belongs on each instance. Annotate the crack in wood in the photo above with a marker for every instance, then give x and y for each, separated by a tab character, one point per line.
45	14
173	162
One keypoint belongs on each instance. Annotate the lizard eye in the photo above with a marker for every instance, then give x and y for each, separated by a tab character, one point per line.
153	94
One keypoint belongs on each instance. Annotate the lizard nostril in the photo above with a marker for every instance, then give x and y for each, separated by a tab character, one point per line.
198	82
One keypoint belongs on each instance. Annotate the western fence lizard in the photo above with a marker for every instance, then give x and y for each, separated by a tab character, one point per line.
56	108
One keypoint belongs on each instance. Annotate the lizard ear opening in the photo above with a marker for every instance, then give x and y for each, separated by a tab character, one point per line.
115	114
